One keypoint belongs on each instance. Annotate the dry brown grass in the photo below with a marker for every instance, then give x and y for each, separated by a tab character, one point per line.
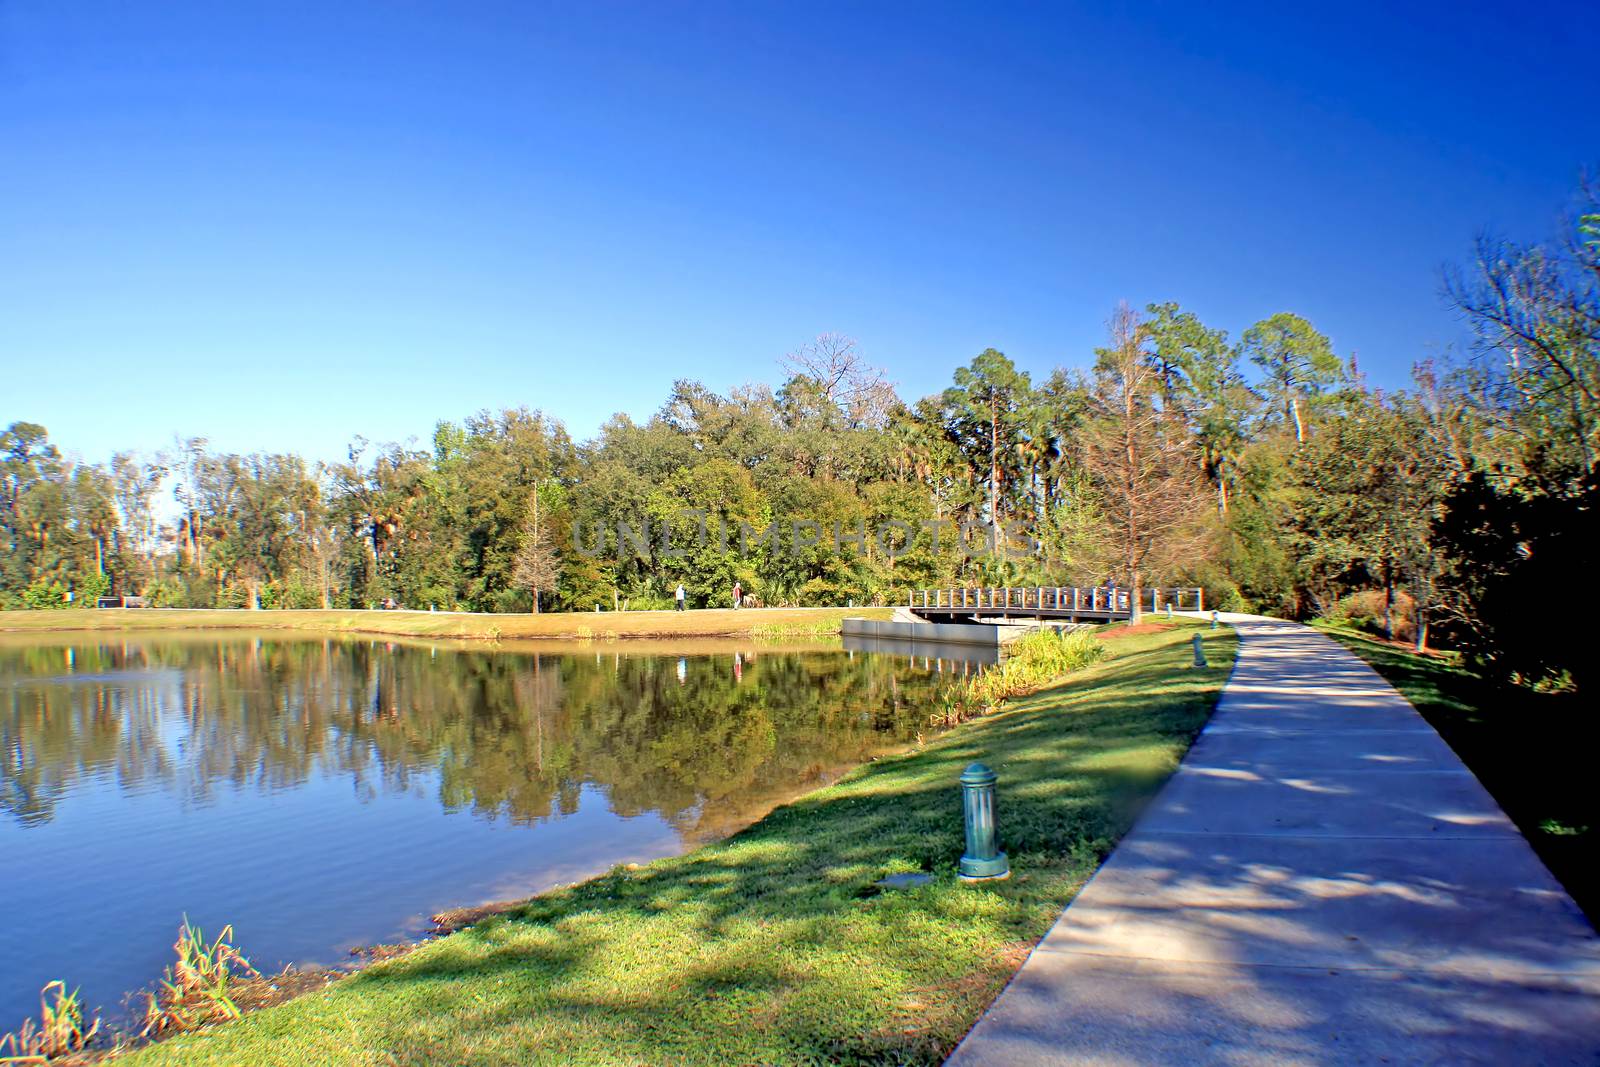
60	1032
447	624
1131	629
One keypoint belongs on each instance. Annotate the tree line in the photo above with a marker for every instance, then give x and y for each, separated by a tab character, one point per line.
1264	468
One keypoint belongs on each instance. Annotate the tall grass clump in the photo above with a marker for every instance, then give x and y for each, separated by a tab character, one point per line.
1032	662
1048	654
772	631
59	1031
195	988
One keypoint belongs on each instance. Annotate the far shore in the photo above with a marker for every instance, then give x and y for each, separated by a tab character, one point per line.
574	625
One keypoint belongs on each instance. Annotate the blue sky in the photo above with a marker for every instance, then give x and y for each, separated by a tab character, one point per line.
279	225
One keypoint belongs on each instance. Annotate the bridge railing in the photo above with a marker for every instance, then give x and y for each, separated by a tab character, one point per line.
1057	599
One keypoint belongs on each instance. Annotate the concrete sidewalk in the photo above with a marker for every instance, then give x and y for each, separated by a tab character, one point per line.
1322	882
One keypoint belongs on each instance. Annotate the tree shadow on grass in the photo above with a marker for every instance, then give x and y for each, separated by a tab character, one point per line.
776	945
1319	883
1533	751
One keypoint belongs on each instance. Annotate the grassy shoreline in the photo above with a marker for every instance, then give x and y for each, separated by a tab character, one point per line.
1532	751
775	945
576	625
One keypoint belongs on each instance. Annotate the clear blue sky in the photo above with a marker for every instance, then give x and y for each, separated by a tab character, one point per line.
280	224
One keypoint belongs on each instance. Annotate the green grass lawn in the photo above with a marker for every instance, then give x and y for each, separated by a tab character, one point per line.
1534	752
774	946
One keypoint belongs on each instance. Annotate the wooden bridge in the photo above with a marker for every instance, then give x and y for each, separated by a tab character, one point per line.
1073	603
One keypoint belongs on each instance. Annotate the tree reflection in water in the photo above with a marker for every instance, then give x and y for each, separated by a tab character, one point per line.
708	740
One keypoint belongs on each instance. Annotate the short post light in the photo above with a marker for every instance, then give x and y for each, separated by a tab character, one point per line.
983	860
1199	653
1169	609
1213	620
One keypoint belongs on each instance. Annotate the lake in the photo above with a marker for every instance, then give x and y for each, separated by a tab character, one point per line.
322	795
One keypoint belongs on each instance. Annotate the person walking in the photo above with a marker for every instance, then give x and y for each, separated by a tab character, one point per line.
678	597
738	595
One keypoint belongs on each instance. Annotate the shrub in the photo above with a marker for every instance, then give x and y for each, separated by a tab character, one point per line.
91	589
1364	611
1516	550
166	593
291	592
42	594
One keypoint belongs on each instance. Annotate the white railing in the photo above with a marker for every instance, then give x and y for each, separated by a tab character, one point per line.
1100	600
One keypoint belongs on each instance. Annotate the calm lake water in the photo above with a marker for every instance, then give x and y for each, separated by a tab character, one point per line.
323	795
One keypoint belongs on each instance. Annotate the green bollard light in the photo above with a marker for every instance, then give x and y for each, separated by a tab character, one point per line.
1213	620
1199	653
983	860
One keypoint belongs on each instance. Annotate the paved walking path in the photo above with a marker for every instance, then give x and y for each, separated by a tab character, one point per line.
1322	881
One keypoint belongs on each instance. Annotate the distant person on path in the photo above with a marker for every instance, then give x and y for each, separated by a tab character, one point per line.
738	595
678	597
